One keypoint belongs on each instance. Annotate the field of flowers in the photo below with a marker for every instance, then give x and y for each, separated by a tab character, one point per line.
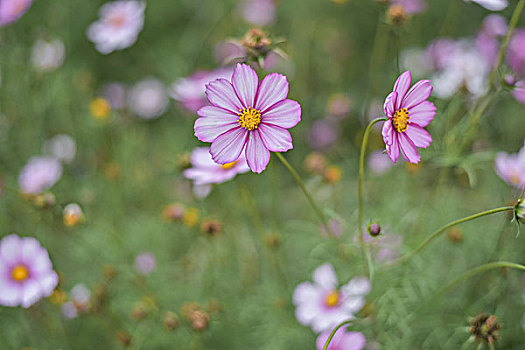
262	174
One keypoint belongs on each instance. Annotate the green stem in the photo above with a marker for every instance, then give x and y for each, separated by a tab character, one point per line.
503	48
482	268
301	184
364	250
434	235
362	171
325	347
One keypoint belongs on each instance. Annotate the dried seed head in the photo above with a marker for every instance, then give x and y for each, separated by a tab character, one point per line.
396	14
211	227
256	41
484	328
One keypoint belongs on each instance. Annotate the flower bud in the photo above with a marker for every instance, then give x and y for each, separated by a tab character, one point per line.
170	320
73	215
374	230
211	227
520	211
455	235
256	42
396	14
45	200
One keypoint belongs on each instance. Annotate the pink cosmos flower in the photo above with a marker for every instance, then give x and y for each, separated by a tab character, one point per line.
258	12
342	340
12	10
248	117
511	168
39	174
408	112
145	263
119	25
519	91
322	305
379	163
26	272
516	53
205	171
190	92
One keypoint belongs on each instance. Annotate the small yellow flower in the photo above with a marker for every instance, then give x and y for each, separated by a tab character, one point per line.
333	174
190	217
99	108
58	297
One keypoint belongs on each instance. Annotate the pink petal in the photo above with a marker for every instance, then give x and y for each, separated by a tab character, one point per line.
257	155
213	122
273	89
423	113
387	132
10	248
306	292
419	93
245	82
408	148
285	114
325	277
220	93
393	149
276	139
31	293
227	147
419	136
401	87
389	107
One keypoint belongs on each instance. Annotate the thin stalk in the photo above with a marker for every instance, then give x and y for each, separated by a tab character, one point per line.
364	250
325	347
482	268
301	184
501	54
434	235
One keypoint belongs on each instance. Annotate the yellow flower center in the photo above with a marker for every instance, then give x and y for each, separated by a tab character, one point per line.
20	273
400	119
249	118
332	299
228	165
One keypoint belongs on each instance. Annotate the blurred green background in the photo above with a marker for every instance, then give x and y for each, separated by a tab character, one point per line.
126	171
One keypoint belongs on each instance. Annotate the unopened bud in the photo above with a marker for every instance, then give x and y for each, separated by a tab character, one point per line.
73	215
520	211
484	328
374	230
396	14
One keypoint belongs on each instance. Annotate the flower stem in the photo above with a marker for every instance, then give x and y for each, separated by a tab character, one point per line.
361	171
479	269
364	250
325	347
434	235
301	184
501	54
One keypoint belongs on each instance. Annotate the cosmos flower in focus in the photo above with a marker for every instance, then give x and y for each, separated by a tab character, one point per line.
248	117
511	168
322	305
408	112
258	12
145	263
118	27
12	10
48	55
190	92
492	5
148	99
342	340
39	174
205	171
26	272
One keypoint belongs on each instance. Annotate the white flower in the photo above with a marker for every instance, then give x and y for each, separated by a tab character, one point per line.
62	147
119	25
48	55
148	99
492	5
322	305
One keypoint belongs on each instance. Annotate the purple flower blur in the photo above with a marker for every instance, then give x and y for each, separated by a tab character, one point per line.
408	112
342	340
145	263
26	272
322	305
190	92
12	10
516	53
39	174
205	171
248	117
258	12
511	167
119	25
